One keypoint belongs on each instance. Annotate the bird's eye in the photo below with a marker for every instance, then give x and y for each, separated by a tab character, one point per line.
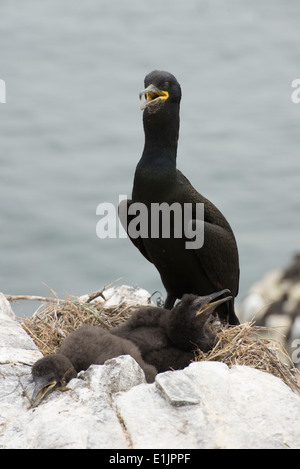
166	85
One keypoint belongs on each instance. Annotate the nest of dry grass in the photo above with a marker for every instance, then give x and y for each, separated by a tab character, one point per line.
52	322
245	344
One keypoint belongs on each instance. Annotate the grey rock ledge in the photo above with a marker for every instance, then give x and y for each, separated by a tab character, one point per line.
206	405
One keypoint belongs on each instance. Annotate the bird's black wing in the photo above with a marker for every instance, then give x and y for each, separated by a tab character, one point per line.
125	219
221	266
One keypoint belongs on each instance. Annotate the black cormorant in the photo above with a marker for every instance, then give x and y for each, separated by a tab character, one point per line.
86	346
166	338
201	271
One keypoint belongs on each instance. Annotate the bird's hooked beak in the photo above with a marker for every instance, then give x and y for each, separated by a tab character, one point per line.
43	387
207	303
153	96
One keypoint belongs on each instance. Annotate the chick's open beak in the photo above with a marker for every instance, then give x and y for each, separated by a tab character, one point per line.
208	305
42	388
153	95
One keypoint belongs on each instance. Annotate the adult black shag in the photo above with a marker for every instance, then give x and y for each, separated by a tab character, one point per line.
166	338
86	346
201	271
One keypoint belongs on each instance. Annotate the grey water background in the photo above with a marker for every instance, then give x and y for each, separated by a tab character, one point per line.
71	131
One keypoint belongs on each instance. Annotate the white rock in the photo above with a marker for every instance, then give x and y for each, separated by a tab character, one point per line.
179	393
131	296
238	408
5	308
15	345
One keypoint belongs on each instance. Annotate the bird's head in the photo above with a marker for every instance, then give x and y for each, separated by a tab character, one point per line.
48	373
161	89
191	320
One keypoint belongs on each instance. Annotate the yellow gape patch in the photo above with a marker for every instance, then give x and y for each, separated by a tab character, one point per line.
154	97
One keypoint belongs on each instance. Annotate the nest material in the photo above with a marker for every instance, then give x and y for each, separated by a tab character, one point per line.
52	322
239	345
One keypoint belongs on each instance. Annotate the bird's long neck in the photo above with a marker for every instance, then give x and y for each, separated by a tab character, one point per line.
156	170
161	137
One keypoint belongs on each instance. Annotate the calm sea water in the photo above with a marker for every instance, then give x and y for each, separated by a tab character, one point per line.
71	130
